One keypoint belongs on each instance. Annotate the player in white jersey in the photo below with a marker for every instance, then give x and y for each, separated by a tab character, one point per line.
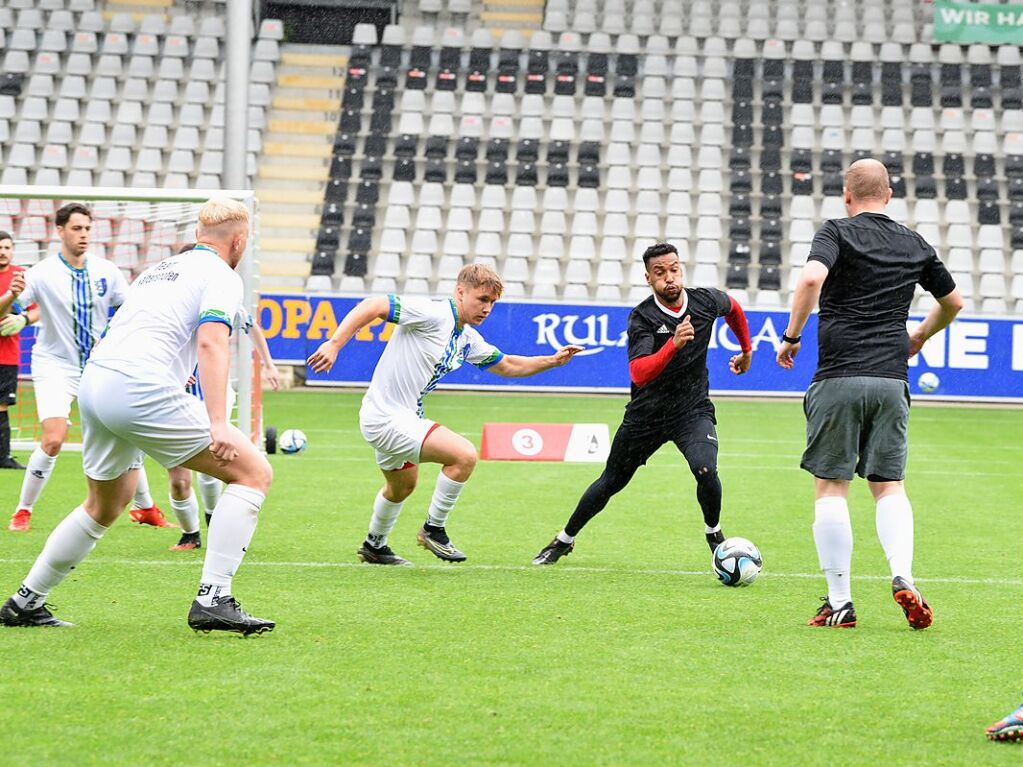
182	499
131	398
432	339
75	292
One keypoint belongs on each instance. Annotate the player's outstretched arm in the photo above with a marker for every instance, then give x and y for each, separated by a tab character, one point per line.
214	360
364	312
273	376
515	366
804	298
940	317
736	320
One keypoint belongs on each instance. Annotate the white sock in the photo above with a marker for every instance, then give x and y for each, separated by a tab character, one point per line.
40	466
68	544
210	488
708	530
143	498
895	530
187	513
832	532
234	522
444	496
565	537
385	514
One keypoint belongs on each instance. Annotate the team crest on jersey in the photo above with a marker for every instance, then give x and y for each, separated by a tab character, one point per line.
101	286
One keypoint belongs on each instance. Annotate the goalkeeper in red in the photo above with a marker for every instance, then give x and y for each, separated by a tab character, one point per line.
669	333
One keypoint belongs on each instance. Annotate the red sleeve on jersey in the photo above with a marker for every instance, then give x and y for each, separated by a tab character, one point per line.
643	370
736	319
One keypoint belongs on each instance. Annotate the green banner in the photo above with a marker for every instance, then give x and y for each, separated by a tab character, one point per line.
965	23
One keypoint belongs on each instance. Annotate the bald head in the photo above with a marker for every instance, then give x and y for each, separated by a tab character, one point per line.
867	181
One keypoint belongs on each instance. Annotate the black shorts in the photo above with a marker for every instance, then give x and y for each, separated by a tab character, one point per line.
633	443
8	384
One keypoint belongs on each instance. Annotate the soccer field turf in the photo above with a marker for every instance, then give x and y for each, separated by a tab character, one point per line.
626	652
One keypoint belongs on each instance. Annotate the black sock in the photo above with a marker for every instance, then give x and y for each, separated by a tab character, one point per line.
5	435
708	493
592	503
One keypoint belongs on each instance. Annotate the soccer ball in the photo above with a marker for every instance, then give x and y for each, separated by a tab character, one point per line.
928	382
737	562
292	441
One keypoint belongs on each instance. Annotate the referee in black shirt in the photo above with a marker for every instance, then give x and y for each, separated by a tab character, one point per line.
864	269
668	337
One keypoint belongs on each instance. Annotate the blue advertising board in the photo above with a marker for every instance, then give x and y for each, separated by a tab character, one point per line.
974	359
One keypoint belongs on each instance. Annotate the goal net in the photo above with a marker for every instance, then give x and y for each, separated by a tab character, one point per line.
134	228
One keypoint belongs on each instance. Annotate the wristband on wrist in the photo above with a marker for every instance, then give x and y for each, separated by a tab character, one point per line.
791	339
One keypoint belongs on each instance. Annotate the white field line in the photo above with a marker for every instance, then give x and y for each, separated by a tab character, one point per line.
99	561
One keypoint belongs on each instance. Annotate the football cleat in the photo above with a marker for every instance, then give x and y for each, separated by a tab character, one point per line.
151	516
12	615
21	521
918	612
714	540
188	542
10	462
843	617
553	551
1009	728
225	614
435	540
382	555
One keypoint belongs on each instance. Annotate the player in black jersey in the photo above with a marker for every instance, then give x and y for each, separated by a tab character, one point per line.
865	269
668	337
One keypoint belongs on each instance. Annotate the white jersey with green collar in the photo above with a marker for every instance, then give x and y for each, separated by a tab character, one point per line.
153	336
427	345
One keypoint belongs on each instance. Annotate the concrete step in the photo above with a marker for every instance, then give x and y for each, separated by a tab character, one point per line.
284	100
296	161
274	137
300	58
297	149
285	220
287	244
306	127
296	115
275	284
293	173
290	192
326	82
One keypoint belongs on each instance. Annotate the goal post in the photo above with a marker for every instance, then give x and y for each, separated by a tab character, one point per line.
134	228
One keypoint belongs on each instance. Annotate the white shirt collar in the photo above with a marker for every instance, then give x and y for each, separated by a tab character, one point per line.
672	312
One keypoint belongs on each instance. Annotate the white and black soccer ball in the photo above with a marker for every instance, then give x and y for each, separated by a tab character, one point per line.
292	441
737	562
928	382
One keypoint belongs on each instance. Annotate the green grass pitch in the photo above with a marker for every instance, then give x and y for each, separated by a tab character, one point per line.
627	652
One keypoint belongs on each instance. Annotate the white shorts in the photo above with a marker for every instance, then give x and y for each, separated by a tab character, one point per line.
56	386
398	440
121	416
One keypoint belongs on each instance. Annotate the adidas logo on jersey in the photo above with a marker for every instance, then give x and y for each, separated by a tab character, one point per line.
663	329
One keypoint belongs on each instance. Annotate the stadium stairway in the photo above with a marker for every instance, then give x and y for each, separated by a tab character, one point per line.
295	160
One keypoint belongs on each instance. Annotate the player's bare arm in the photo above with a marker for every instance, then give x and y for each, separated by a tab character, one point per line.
940	317
273	376
364	312
214	359
515	366
804	299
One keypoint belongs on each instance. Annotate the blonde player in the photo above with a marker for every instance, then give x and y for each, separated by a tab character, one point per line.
432	339
182	499
75	293
179	311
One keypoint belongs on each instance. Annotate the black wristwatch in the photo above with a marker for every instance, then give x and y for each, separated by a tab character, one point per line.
790	339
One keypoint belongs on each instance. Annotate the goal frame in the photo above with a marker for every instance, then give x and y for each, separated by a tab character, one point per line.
249	413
